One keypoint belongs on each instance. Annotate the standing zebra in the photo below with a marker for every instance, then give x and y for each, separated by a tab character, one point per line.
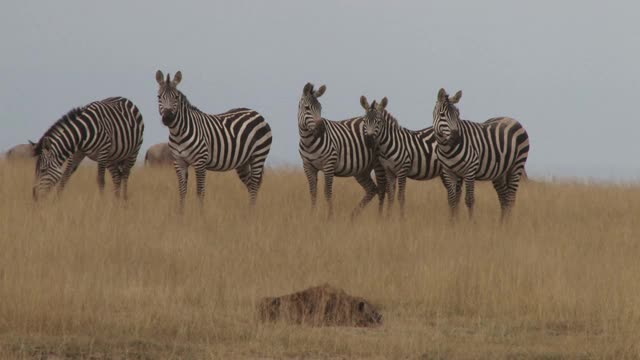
337	148
495	150
107	131
402	153
238	139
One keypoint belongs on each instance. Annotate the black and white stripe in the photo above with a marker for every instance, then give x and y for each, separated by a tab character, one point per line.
337	148
238	139
107	131
403	153
495	150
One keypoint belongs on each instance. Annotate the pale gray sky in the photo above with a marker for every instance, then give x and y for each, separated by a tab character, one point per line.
568	70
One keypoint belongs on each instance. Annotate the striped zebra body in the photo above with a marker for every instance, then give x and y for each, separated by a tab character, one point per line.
239	139
403	153
107	131
337	148
495	150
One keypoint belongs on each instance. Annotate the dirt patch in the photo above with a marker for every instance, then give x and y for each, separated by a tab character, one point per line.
323	305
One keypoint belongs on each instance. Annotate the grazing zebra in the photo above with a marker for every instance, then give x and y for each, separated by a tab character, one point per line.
158	154
495	150
337	148
238	139
402	153
108	131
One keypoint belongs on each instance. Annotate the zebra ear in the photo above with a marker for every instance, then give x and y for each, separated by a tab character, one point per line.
456	97
364	103
177	78
383	103
308	89
442	95
320	91
159	77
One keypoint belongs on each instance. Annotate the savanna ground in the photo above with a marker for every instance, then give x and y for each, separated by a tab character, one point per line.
85	276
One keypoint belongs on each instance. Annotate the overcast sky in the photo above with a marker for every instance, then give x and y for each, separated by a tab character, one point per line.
568	70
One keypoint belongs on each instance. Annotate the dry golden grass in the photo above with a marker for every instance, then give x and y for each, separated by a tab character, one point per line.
89	277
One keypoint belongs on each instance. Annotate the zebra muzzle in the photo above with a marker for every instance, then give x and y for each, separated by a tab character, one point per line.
167	118
369	140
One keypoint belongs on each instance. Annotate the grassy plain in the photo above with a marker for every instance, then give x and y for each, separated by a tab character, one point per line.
85	276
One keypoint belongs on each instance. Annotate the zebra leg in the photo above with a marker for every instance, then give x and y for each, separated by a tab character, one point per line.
328	189
469	200
381	185
370	189
182	172
245	175
312	178
201	177
257	172
126	171
101	170
500	184
453	184
402	186
71	166
114	170
513	180
391	190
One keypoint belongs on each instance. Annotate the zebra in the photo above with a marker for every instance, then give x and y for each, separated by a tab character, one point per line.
337	148
238	139
495	150
108	131
402	153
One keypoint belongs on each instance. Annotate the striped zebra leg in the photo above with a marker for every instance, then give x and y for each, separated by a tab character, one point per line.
201	178
182	172
100	176
244	173
312	178
469	199
71	166
381	185
454	192
114	170
402	186
500	184
370	192
252	179
126	172
391	190
328	188
512	183
257	173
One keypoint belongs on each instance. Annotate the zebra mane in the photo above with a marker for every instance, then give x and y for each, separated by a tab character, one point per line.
393	122
186	101
72	114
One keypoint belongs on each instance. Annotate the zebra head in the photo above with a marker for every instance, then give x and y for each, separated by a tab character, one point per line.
446	118
49	166
373	119
169	97
310	110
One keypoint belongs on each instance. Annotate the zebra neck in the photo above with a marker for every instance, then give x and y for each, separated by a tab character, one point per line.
386	143
183	121
65	149
306	136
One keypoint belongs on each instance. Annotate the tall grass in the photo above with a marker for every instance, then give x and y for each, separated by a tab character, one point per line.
84	275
